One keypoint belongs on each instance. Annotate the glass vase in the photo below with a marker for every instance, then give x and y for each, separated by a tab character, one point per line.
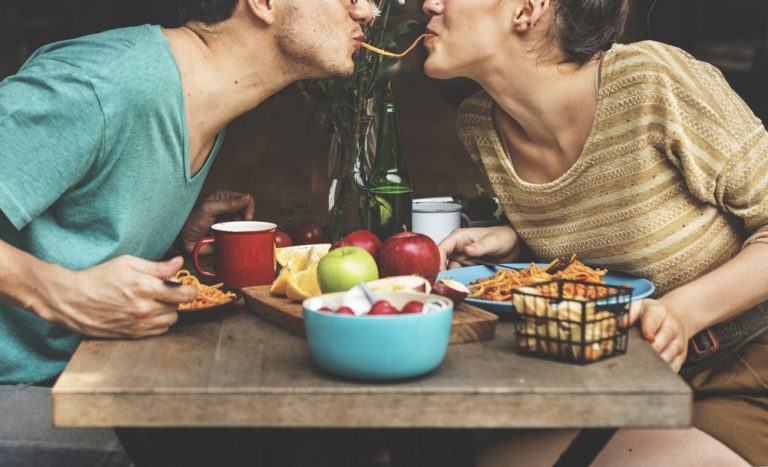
350	159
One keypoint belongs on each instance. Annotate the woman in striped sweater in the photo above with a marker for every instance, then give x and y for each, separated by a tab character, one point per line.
637	158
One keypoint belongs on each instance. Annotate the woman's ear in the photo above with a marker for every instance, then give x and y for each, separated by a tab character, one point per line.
263	10
527	15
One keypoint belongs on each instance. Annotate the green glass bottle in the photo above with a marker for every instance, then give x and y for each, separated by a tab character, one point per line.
389	195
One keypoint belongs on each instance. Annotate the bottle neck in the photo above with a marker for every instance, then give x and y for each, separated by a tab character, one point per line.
388	155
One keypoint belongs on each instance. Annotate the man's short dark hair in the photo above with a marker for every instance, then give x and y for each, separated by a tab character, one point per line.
206	11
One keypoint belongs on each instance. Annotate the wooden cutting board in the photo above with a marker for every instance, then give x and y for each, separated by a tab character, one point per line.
470	323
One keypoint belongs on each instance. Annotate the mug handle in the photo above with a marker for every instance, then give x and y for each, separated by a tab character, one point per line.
464	221
196	256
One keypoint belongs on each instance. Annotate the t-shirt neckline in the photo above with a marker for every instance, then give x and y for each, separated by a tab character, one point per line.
188	176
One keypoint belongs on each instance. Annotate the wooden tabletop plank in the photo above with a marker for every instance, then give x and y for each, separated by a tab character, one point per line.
187	357
240	370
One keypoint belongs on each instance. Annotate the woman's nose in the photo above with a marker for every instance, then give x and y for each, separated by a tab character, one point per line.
361	11
432	7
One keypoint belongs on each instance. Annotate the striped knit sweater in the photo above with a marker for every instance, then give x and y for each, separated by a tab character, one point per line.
672	181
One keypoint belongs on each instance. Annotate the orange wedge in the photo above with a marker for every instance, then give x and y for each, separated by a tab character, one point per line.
298	277
303	284
286	254
281	282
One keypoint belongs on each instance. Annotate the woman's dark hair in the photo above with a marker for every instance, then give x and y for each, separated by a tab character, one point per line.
206	11
586	27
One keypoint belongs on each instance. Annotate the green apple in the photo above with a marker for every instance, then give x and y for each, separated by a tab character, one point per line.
343	268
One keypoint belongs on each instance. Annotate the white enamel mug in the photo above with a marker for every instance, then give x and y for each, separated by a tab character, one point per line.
437	219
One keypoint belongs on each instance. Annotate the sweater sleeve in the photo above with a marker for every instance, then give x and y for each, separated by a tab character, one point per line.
713	138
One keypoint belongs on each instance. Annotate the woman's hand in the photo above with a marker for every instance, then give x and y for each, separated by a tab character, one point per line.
663	328
496	244
238	206
124	297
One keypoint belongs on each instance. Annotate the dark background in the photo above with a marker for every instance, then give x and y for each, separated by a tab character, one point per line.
268	153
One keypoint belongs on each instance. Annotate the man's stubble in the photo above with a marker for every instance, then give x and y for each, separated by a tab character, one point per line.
313	46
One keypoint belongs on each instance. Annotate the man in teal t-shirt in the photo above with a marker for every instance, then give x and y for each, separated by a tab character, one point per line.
105	142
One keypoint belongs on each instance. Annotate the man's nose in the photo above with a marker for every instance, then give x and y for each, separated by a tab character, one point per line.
432	7
361	11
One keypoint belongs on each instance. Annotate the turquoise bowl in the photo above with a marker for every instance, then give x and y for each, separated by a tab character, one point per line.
378	347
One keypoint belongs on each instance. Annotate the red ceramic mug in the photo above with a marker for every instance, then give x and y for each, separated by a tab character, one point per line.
244	253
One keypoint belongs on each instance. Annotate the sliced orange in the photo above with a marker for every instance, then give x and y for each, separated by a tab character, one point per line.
286	254
281	282
298	277
304	262
303	284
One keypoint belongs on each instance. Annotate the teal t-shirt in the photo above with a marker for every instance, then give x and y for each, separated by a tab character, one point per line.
94	164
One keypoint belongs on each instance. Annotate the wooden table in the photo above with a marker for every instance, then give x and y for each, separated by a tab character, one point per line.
240	371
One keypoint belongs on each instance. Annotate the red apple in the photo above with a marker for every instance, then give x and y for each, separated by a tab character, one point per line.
307	233
452	289
282	239
364	239
414	306
382	307
408	253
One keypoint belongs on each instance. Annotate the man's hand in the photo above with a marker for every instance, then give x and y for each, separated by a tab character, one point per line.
234	205
663	328
491	243
124	297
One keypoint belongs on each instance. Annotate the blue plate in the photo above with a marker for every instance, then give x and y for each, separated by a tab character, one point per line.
642	287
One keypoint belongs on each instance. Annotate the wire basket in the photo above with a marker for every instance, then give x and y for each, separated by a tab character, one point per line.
571	320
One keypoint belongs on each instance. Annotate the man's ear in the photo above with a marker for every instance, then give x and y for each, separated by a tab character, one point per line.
263	10
527	15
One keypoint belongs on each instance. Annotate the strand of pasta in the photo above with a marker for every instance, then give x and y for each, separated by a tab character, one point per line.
207	295
498	287
392	54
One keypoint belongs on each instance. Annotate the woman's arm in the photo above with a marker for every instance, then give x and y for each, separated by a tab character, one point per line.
723	293
721	150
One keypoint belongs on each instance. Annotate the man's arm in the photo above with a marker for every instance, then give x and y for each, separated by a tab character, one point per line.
123	297
216	207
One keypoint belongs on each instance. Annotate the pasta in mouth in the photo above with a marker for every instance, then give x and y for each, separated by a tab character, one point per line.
392	54
207	295
498	287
